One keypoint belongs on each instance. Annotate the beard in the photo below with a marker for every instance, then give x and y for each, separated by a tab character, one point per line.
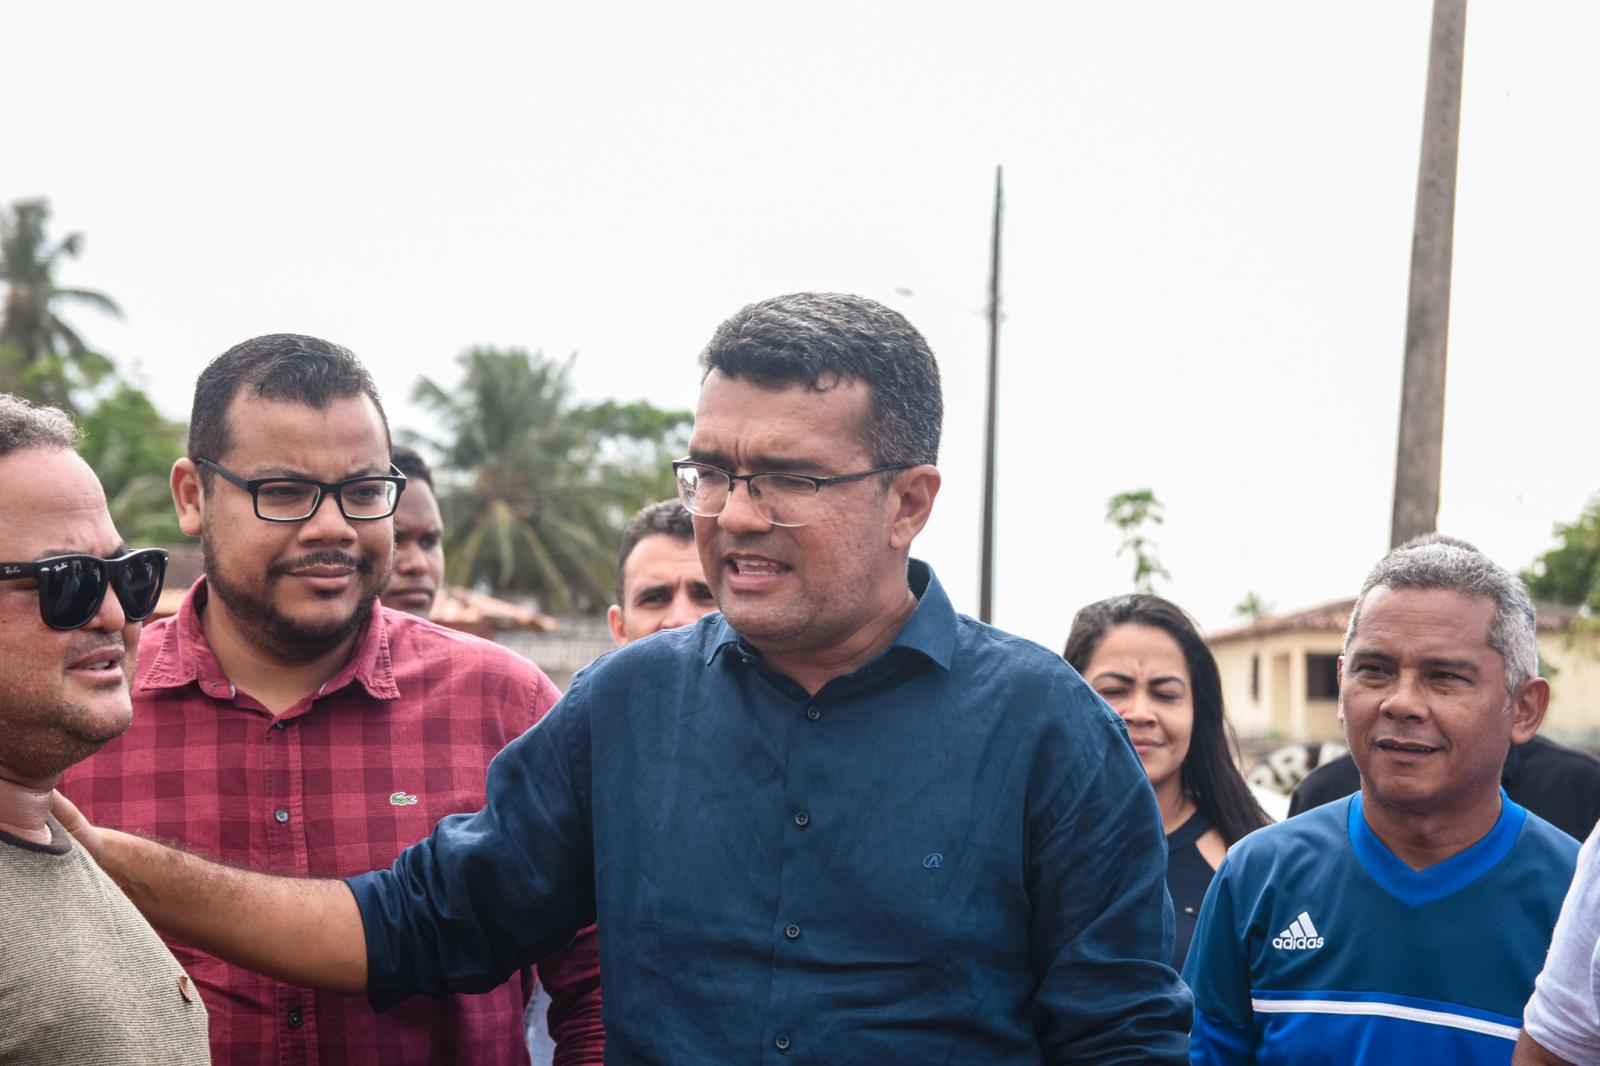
291	640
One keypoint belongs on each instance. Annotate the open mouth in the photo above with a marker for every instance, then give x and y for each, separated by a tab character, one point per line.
753	573
102	665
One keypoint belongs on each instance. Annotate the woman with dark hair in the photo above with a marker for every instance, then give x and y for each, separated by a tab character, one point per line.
1145	658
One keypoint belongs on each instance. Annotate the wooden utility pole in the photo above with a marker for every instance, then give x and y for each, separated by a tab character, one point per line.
1417	467
986	586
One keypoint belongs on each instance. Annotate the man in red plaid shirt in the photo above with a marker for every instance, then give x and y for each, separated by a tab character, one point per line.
287	722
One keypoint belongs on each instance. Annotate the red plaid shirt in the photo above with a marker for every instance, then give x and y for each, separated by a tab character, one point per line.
337	785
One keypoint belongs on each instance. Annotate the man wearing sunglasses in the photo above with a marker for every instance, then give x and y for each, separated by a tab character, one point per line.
71	599
288	722
836	823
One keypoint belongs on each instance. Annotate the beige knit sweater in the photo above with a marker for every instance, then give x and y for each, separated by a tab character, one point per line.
84	980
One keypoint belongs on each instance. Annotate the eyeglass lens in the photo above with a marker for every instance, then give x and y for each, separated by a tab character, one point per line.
294	500
781	500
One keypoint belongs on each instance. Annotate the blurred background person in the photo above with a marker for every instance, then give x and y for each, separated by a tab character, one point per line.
1146	658
418	540
660	583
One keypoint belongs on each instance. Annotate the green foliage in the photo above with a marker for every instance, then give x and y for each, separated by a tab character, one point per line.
132	446
535	488
1570	572
1252	606
126	440
1130	513
41	356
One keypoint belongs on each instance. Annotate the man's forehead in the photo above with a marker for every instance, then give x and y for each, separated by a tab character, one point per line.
51	503
778	421
268	435
1402	618
660	555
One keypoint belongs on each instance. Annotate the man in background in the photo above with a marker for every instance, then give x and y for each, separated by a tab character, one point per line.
83	978
418	539
1406	923
286	721
660	583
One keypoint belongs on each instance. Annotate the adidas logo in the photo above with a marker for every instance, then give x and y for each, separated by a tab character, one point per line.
1300	936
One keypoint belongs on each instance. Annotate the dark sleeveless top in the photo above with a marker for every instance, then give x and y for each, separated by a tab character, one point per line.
1188	877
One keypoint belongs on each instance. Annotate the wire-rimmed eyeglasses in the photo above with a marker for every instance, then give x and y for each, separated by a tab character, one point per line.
782	499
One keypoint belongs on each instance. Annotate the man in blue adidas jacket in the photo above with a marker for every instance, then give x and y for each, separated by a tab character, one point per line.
1406	923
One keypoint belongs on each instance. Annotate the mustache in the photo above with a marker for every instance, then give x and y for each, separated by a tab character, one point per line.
88	644
321	558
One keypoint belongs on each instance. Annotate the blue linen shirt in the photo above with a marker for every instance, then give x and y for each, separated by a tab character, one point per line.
951	855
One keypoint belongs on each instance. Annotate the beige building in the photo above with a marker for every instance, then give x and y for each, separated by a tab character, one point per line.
1280	681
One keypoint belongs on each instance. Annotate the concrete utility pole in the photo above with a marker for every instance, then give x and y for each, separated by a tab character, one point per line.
986	567
1417	467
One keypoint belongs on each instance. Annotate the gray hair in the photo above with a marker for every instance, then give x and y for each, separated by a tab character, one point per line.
816	338
1433	561
22	425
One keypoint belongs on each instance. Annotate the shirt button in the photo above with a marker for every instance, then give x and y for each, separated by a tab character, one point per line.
802	819
781	1043
280	724
281	815
792	931
813	713
295	1019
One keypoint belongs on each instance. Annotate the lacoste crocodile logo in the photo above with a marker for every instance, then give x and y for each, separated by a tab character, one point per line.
402	799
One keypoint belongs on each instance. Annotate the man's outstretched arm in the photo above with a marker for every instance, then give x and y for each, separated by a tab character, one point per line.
302	931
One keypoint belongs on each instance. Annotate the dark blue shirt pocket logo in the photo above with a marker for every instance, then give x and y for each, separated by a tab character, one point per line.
933	860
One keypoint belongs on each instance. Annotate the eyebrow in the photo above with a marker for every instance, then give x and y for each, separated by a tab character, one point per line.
761	464
50	553
369	470
1127	679
1434	662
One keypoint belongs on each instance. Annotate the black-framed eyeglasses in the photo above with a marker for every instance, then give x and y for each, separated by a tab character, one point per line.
782	499
72	587
295	499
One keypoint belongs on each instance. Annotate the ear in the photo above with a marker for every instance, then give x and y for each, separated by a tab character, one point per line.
188	496
912	496
1528	705
619	636
1338	680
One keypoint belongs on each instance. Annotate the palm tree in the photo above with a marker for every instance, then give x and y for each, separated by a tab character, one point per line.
41	356
542	485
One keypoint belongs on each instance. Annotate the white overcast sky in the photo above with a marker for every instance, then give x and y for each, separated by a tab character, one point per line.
1207	235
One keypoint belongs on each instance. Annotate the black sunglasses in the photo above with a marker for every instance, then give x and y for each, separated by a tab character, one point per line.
72	587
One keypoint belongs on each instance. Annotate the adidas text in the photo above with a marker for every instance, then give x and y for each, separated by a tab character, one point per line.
1301	935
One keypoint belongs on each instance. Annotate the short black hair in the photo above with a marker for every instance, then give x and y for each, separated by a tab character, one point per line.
22	425
667	517
411	464
277	366
817	338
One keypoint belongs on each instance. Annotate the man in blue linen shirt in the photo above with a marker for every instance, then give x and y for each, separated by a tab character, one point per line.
836	823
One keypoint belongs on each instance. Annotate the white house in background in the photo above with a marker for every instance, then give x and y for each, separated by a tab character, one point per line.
1280	681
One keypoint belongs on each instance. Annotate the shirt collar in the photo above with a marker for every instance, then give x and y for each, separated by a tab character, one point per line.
929	632
183	657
